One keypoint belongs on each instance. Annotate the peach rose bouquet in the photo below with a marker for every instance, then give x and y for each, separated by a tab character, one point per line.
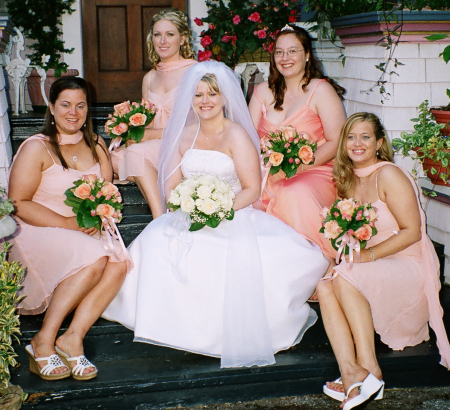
129	120
95	202
286	150
207	200
348	224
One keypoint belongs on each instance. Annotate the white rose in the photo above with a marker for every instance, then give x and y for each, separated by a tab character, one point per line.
221	215
187	204
204	192
199	203
209	207
185	190
174	198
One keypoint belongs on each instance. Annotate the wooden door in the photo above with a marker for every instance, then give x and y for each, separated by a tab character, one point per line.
114	48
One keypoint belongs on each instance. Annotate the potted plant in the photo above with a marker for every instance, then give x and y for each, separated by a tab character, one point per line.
11	276
41	21
431	148
242	31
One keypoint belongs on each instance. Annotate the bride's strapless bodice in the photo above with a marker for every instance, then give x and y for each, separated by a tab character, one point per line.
199	162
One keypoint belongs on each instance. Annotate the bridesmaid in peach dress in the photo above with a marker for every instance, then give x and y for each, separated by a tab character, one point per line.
67	267
170	52
298	94
394	289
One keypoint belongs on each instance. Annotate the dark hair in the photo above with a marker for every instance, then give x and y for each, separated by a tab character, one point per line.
69	83
313	68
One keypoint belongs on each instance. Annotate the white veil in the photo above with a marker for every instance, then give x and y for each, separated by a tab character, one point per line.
183	115
246	334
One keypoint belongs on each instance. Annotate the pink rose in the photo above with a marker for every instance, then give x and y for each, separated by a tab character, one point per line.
287	132
297	161
212	26
147	105
122	108
276	158
269	48
120	129
264	143
226	38
105	210
204	55
206	41
347	207
82	191
306	154
107	124
198	21
261	34
236	19
90	178
364	233
254	17
138	119
291	160
109	189
292	19
332	229
371	214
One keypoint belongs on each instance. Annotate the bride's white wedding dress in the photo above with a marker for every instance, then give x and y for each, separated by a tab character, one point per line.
247	281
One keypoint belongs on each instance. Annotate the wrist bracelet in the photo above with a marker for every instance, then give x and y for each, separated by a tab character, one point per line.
371	254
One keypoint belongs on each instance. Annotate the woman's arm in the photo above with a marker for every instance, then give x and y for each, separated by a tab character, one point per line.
255	105
104	160
24	181
396	190
247	165
329	108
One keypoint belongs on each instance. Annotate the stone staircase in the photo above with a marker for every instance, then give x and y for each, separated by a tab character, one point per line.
139	376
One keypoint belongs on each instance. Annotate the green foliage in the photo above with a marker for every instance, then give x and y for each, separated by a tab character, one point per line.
11	276
445	54
235	33
426	140
6	206
40	20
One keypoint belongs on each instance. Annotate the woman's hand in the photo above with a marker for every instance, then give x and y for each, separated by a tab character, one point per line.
72	224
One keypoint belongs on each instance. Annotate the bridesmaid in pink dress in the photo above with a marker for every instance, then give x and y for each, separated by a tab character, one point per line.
170	52
394	289
298	94
67	267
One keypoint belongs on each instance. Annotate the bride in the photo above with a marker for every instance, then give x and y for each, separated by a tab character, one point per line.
237	291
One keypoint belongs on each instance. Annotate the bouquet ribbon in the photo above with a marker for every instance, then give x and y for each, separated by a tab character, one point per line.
115	143
353	244
111	231
180	242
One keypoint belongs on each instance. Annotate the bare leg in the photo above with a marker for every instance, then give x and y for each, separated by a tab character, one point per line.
148	184
65	297
90	309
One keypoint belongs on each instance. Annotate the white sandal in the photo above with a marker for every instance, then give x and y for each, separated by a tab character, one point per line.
53	362
370	388
340	395
80	367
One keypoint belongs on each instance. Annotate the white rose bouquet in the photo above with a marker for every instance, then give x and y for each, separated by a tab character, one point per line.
207	199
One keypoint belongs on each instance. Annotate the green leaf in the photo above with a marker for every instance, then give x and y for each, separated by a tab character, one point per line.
136	133
231	215
212	222
446	54
195	226
435	37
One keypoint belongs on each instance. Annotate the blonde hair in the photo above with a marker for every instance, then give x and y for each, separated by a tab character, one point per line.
180	21
343	165
211	80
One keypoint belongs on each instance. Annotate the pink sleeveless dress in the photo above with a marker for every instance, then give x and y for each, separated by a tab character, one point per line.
131	161
51	255
298	200
402	289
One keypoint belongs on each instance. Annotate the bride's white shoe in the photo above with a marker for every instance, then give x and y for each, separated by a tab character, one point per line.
369	389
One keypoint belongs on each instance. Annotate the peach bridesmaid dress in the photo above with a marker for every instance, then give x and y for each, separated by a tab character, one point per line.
402	289
298	200
51	255
130	161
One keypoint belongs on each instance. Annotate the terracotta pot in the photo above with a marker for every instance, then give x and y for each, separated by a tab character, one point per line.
427	164
34	87
442	117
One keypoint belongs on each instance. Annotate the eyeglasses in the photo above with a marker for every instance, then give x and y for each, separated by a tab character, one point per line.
293	52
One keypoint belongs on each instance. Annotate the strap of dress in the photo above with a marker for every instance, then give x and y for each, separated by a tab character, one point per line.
263	107
314	89
39	137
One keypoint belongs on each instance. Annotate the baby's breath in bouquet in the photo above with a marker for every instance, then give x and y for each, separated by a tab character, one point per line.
207	199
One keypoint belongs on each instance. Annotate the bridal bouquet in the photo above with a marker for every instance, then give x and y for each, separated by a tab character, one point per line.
205	198
94	201
349	224
129	120
287	150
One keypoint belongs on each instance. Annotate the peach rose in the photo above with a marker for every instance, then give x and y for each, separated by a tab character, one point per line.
120	129
276	158
332	229
264	143
82	191
90	178
306	154
305	136
107	124
371	214
138	119
288	132
109	189
105	210
324	212
364	233
122	108
347	207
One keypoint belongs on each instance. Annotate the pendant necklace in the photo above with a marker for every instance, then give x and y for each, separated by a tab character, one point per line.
75	158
